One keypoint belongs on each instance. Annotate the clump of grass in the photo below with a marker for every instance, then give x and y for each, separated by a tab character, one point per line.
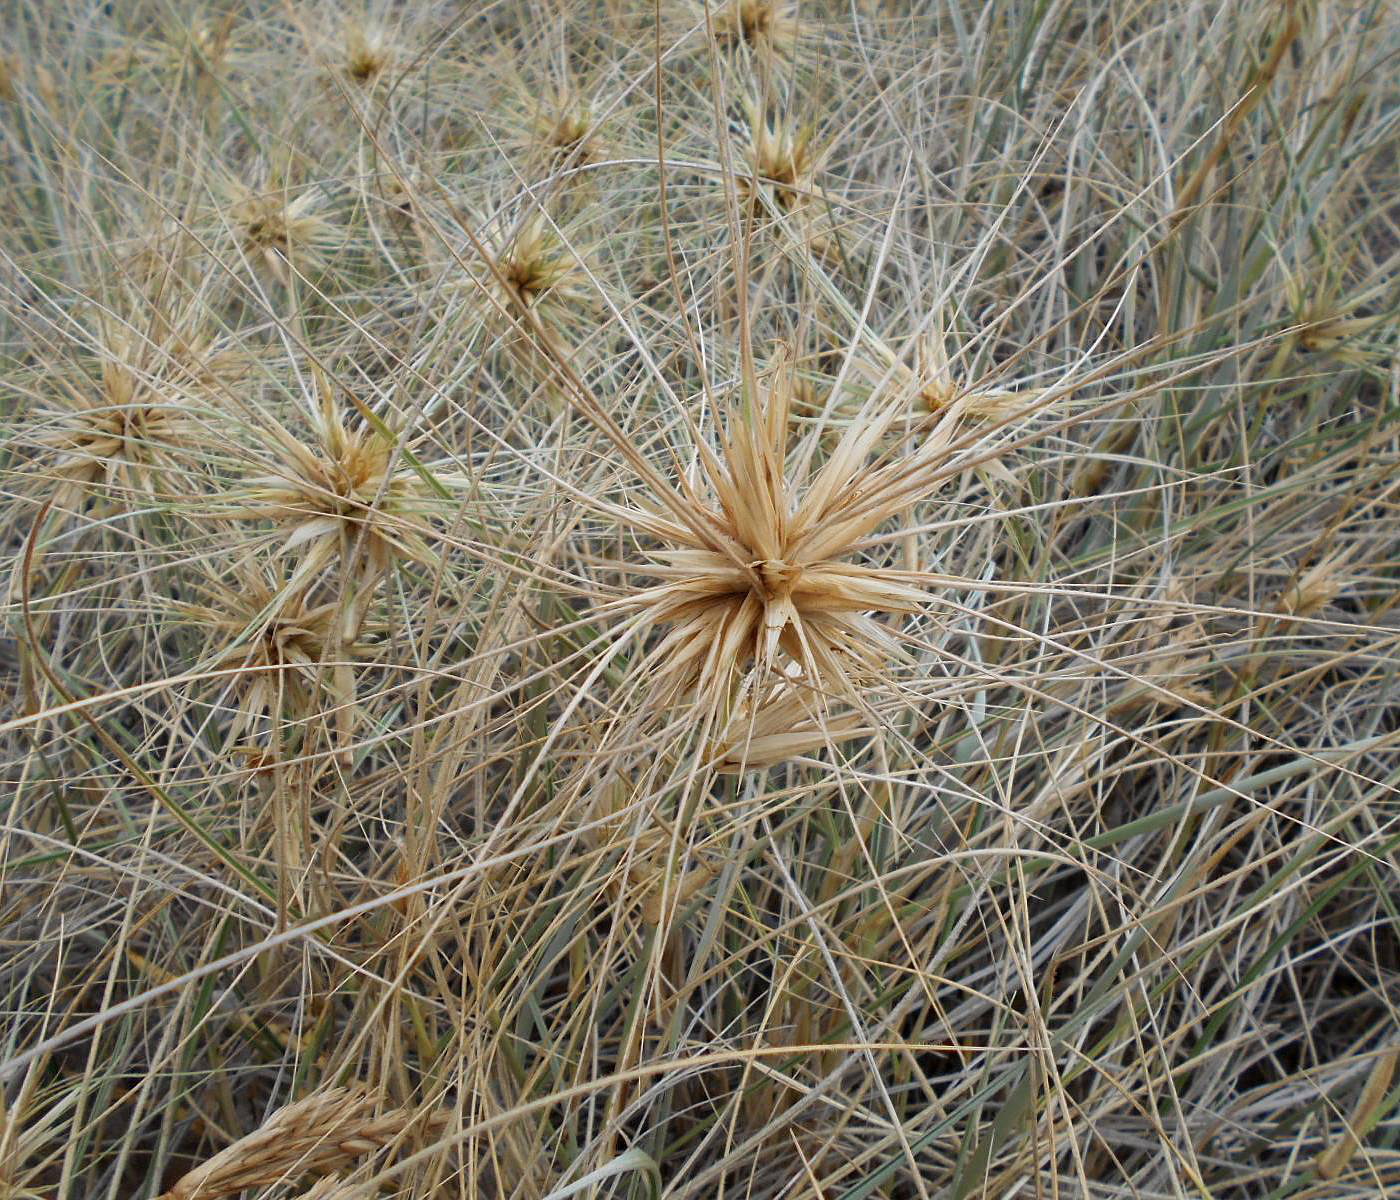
950	754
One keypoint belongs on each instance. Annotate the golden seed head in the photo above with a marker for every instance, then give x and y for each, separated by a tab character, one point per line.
763	24
340	486
274	639
130	420
538	269
275	226
753	587
262	627
568	128
780	153
209	43
369	52
319	1135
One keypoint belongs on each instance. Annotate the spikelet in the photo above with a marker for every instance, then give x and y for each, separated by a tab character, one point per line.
320	1135
196	49
1324	309
1178	680
1313	590
939	391
209	42
332	1187
784	724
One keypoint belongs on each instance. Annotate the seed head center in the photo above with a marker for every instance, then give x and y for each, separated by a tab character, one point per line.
778	577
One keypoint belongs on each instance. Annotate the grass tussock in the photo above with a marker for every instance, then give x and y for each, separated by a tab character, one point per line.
738	599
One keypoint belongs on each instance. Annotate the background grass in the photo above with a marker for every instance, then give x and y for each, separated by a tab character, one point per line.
330	335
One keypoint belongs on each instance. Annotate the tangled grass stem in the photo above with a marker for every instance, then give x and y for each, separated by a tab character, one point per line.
766	599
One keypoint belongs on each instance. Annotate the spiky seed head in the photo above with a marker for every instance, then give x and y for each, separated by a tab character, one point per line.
134	419
369	52
769	25
206	46
277	640
340	491
1324	307
203	48
1335	331
757	601
780	156
535	263
398	191
110	441
276	227
210	41
538	270
567	128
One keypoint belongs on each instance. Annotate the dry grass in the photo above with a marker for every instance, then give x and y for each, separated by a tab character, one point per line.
751	600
